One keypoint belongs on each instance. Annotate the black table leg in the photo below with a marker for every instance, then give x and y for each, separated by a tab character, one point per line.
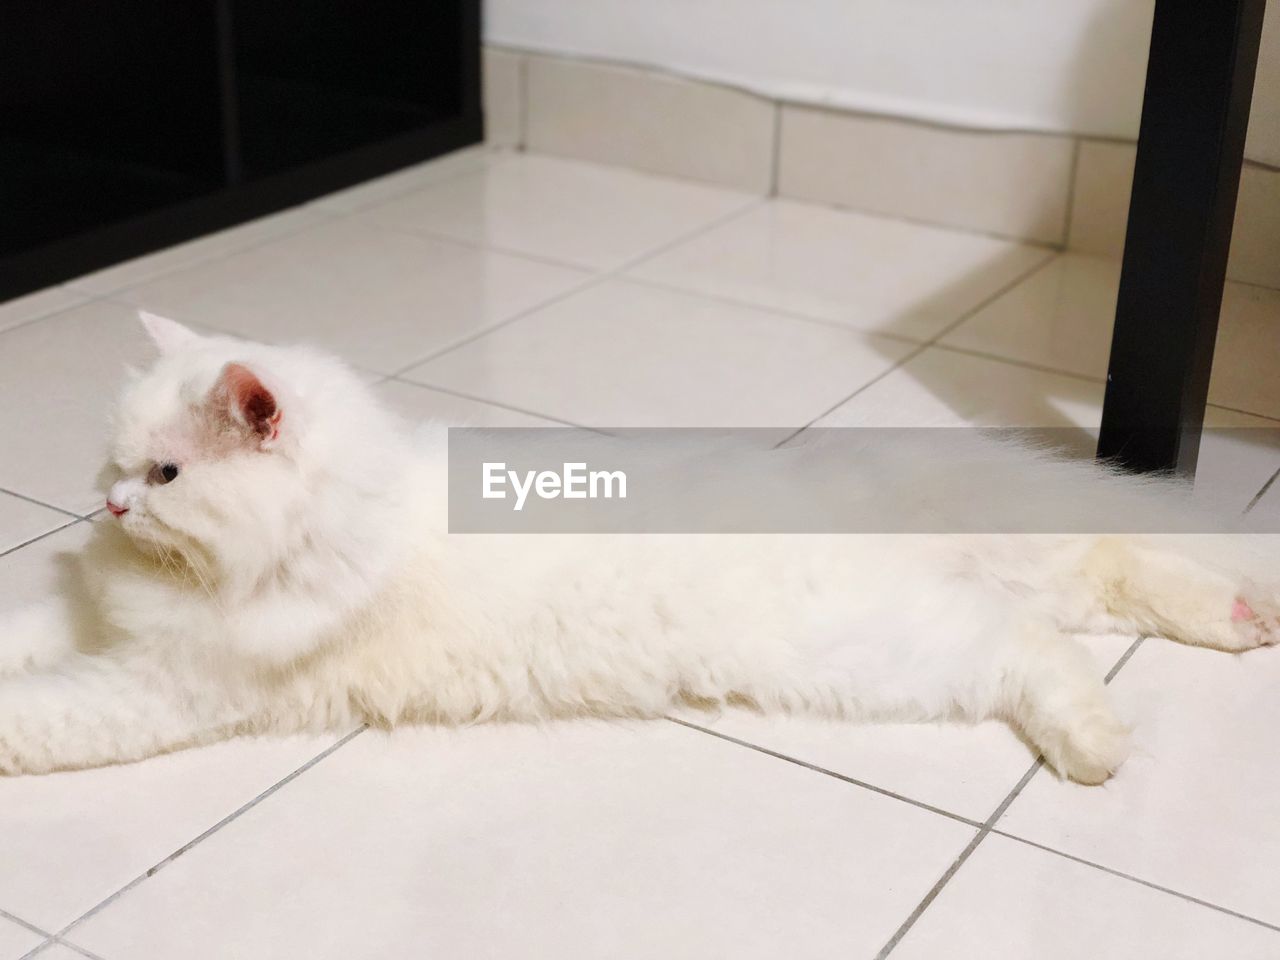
1190	149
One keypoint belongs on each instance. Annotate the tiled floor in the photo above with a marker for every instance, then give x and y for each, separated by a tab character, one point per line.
505	289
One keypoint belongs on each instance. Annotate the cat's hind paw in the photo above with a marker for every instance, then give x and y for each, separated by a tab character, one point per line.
1255	621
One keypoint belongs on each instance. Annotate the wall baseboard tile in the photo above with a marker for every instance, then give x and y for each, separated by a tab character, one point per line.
503	86
1043	188
650	121
1010	184
1100	210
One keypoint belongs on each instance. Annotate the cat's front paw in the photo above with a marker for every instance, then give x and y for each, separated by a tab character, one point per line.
1093	749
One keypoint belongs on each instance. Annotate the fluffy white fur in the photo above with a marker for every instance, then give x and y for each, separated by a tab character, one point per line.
297	574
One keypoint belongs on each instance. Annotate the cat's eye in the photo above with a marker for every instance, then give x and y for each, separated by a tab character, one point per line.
163	473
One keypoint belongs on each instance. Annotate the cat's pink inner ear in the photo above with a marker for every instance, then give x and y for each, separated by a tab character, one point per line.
249	401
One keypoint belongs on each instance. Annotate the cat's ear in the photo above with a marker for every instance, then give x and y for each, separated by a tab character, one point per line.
241	397
168	335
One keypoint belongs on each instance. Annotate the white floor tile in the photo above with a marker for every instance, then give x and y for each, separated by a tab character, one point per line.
578	839
59	951
869	272
1248	351
418	404
1239	453
412	178
16	940
1194	809
965	770
31	305
73	839
622	354
58	378
575	212
1061	318
208	247
1011	900
375	296
20	520
1268	508
944	388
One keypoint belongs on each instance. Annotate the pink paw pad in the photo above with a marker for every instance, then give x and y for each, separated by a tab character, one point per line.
1241	610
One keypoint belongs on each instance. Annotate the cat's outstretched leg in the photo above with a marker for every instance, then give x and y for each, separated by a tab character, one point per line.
1052	693
1208	591
968	652
89	711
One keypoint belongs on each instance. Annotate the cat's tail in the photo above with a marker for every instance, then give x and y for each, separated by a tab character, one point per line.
1053	694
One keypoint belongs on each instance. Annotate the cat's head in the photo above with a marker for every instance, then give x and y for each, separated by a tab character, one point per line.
235	455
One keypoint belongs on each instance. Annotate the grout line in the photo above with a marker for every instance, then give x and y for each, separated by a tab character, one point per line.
88	299
983	832
520	315
1262	165
1073	374
522	127
74	947
58	942
494	153
47	533
927	224
903	361
1025	364
828	322
421	233
1124	658
489	403
1071	193
1139	880
987	828
235	814
775	160
38	948
14	918
1263	492
41	503
1250	413
592	281
824	771
1233	280
992	298
110	295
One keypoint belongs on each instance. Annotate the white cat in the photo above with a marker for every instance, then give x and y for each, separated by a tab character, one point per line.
279	560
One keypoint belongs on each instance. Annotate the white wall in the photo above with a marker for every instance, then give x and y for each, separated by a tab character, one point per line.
1048	65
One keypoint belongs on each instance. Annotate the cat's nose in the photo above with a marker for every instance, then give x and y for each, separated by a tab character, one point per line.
116	511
